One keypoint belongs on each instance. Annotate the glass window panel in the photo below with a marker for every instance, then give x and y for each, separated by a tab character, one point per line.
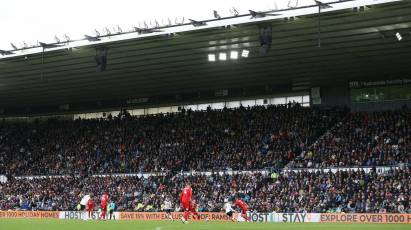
152	110
298	99
203	106
381	93
218	105
192	107
233	104
164	109
174	109
137	112
260	102
278	101
247	103
114	113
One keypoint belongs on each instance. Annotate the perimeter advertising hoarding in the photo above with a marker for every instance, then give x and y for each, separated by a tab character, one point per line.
217	216
377	218
176	215
77	215
29	214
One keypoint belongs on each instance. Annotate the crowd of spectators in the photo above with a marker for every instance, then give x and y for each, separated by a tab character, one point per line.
362	139
291	191
243	138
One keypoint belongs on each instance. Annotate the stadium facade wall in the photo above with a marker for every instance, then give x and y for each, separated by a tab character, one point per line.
379	218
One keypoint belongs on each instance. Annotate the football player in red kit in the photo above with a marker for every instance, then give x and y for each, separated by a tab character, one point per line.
185	199
103	206
90	207
243	206
193	210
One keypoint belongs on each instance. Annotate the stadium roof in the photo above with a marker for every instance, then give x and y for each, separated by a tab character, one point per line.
355	44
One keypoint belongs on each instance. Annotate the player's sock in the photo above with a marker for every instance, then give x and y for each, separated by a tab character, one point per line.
244	216
186	215
183	220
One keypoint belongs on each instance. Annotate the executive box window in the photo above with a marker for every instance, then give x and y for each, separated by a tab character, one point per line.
382	93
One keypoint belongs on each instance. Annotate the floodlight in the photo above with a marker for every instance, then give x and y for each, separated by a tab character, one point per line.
48	46
398	35
14	46
323	5
255	14
211	58
57	39
67	38
5	52
216	15
234	54
222	56
234	12
197	23
91	38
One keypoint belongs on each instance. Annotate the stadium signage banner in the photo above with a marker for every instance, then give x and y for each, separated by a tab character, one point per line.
162	215
260	217
217	216
295	217
78	215
366	218
29	214
362	84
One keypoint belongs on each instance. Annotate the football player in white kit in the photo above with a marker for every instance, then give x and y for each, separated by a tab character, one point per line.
84	201
229	209
168	207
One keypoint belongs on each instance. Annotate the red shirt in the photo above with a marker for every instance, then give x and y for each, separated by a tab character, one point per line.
193	207
90	204
186	194
241	204
104	200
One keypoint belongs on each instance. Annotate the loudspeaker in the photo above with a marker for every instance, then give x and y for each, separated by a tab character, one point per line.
101	60
266	39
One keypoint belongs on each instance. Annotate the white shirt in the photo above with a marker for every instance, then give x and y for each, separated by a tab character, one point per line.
84	200
167	205
227	207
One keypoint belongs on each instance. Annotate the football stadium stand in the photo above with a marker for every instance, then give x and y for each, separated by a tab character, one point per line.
304	110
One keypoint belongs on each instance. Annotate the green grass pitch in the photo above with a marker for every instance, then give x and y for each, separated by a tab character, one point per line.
30	224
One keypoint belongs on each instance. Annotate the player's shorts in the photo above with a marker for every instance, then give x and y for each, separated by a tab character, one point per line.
104	208
82	207
168	211
230	213
111	211
90	208
186	206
